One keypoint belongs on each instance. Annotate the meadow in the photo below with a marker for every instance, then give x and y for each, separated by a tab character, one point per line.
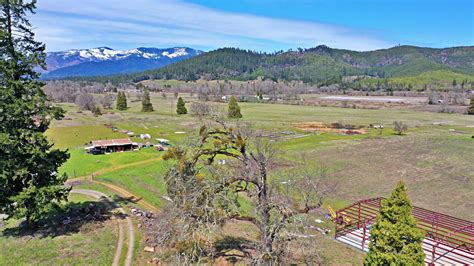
434	157
93	244
435	152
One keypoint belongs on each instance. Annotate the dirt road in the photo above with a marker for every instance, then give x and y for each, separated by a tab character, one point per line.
143	203
131	230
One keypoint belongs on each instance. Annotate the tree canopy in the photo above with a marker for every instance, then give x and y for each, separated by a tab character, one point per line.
29	181
205	192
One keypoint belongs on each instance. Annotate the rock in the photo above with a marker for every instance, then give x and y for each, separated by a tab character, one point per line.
155	261
149	249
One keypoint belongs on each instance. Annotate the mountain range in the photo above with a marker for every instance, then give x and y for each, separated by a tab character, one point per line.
321	64
407	66
104	61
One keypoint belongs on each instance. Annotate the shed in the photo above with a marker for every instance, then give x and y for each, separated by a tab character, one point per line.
111	145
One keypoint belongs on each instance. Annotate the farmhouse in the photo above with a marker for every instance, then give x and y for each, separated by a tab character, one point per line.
110	145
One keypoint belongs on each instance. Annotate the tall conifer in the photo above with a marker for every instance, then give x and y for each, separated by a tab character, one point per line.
121	101
29	181
147	106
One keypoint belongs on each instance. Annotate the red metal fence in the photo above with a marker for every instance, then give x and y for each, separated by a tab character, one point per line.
446	236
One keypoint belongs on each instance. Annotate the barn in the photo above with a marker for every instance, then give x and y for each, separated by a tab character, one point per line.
111	145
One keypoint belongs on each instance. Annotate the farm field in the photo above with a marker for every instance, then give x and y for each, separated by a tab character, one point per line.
428	155
433	157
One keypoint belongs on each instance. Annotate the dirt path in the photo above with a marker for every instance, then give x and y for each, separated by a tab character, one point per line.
131	230
123	192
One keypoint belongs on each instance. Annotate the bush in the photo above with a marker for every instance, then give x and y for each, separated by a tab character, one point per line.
399	127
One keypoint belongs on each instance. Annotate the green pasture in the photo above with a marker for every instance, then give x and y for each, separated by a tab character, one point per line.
92	245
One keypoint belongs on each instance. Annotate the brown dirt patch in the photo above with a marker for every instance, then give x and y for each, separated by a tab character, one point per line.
322	127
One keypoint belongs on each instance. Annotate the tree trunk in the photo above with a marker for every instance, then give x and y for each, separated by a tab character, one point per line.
266	241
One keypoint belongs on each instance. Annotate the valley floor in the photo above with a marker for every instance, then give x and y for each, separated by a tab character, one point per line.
434	158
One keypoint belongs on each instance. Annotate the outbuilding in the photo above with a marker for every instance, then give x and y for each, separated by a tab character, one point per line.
111	145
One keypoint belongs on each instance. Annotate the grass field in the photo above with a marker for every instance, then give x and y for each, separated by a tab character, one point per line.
434	160
92	245
427	149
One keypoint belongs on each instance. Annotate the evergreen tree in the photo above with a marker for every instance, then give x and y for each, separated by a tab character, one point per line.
121	101
395	239
180	107
146	103
30	185
470	111
96	111
234	108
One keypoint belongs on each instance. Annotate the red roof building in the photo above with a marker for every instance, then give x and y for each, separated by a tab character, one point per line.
111	145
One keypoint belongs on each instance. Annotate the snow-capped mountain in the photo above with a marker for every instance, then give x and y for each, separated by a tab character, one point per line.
106	61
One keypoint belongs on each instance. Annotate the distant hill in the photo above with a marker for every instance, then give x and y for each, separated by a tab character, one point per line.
318	65
104	61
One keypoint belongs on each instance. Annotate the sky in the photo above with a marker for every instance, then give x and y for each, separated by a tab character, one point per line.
259	25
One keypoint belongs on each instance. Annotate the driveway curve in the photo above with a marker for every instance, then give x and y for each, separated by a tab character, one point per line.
131	231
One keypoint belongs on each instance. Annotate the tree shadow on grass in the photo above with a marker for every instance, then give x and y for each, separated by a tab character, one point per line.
72	218
233	248
120	201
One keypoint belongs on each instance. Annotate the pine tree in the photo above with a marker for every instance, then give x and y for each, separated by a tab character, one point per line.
180	107
234	108
96	111
121	101
470	111
146	103
30	185
395	239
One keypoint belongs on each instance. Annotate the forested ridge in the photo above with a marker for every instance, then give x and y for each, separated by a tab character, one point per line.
318	65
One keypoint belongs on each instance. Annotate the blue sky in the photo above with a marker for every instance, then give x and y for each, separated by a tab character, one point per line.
262	25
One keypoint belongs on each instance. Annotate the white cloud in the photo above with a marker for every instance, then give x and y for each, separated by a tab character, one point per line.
78	23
